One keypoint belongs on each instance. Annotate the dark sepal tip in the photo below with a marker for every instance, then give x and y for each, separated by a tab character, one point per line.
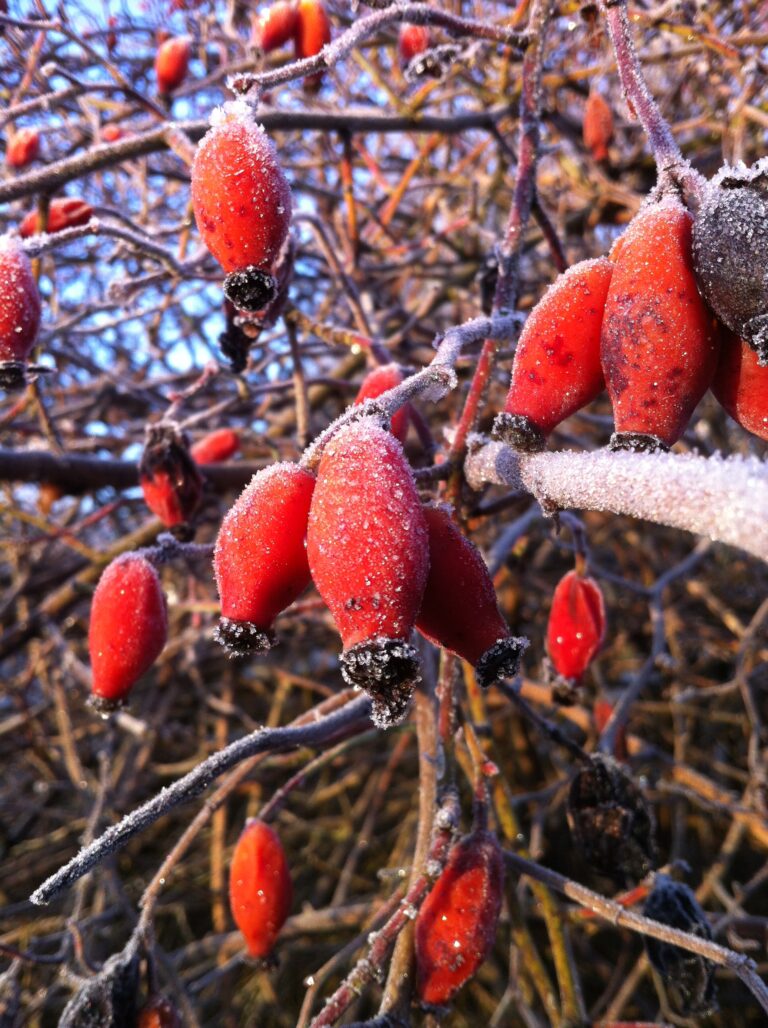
387	669
184	532
250	289
502	660
518	431
103	706
13	376
637	442
243	638
755	334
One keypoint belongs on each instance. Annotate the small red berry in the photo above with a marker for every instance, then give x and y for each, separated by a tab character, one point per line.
260	559
368	549
276	26
576	625
260	888
216	447
172	63
459	609
242	204
659	341
128	627
456	926
598	125
159	1012
602	712
379	381
111	133
170	479
23	148
411	41
111	34
313	32
64	212
741	385
19	312
556	370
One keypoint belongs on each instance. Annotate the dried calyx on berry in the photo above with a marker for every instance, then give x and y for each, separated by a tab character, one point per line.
456	925
170	479
730	240
368	549
260	888
19	313
260	557
459	609
688	977
611	821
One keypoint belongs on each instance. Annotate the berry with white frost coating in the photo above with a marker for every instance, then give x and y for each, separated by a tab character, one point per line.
19	312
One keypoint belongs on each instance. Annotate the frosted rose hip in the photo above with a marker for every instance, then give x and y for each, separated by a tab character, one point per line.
19	312
242	204
379	381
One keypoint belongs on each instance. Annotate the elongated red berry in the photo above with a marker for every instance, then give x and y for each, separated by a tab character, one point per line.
459	609
128	627
242	204
576	625
412	40
276	25
379	381
659	341
23	148
63	212
313	32
19	312
216	447
260	889
170	479
741	385
111	133
598	125
260	559
368	549
556	370
456	926
172	63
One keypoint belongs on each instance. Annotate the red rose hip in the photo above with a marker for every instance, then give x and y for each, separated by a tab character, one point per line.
23	148
313	32
368	549
242	204
260	558
216	447
598	125
172	63
459	609
19	312
128	628
456	925
556	370
260	889
659	341
63	212
576	625
741	385
379	381
170	479
276	26
411	41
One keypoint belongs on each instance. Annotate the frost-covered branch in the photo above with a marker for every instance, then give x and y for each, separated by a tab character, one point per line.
724	499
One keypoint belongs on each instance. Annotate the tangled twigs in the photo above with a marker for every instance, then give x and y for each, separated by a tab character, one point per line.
722	498
618	915
351	719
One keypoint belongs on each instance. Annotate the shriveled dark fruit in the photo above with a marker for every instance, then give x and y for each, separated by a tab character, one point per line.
108	1000
730	240
611	821
688	977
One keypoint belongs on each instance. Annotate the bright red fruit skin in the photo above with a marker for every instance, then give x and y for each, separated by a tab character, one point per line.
128	627
170	479
313	32
456	925
368	549
602	712
741	385
242	203
260	888
379	381
159	1012
19	312
659	342
172	63
276	26
216	447
412	40
576	625
64	212
459	609
260	558
598	125
556	370
111	133
23	148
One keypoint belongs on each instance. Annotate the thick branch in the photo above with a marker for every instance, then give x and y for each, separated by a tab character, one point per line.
724	499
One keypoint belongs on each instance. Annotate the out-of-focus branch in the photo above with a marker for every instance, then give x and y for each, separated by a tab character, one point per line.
722	498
